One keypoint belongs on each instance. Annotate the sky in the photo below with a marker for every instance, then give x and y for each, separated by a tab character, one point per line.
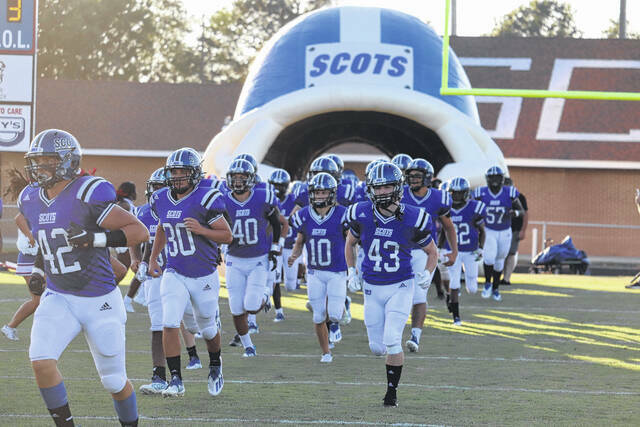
475	17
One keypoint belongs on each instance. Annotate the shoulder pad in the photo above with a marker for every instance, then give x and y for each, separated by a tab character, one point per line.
96	189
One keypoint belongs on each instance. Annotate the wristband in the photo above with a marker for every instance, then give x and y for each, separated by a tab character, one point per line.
36	270
275	247
100	240
351	271
281	242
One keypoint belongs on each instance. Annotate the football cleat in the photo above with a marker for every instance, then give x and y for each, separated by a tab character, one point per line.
174	389
157	386
279	317
496	295
128	304
235	341
390	400
194	363
335	335
331	345
457	321
326	358
250	351
215	381
413	344
253	328
486	292
10	332
346	315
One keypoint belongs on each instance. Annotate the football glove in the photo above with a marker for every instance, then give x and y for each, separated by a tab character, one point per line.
352	280
478	254
37	282
141	274
424	279
273	255
78	237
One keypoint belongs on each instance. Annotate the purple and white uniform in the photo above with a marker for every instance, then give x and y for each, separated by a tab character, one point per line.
190	272
345	194
466	221
326	275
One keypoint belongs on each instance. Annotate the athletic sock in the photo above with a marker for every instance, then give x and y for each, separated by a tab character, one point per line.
393	378
174	366
62	416
496	279
160	371
279	310
488	272
192	352
127	410
246	340
455	309
214	358
417	332
251	318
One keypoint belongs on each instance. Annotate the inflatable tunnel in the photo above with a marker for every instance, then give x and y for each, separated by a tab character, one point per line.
355	74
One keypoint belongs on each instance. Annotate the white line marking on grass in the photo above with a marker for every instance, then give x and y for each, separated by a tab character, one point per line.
375	384
562	309
235	420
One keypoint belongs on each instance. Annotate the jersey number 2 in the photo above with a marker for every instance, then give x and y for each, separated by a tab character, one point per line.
61	268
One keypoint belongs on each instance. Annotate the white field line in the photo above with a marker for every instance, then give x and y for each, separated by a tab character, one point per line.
367	356
376	384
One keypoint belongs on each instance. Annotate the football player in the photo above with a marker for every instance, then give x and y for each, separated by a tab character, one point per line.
345	192
151	287
280	180
437	203
322	227
76	221
191	224
519	231
388	231
250	255
468	218
502	204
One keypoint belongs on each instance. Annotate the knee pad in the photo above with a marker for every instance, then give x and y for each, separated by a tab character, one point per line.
319	315
114	383
394	349
108	338
377	348
210	332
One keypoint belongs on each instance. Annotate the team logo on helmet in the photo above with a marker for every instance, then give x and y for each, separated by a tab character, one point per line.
54	155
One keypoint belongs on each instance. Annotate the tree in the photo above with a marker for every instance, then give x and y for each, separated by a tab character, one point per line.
136	40
613	32
540	18
235	35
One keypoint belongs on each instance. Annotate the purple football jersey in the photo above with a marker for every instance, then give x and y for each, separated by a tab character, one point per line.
387	241
85	201
286	206
465	220
345	194
150	220
249	222
324	237
189	254
436	202
498	206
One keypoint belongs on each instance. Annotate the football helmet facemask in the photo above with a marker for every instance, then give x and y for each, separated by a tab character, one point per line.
460	191
495	178
155	182
381	175
280	179
419	174
241	176
322	182
187	160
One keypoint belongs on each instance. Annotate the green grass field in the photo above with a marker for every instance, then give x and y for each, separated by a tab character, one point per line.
558	350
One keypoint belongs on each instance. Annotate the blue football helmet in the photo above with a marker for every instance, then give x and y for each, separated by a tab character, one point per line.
349	175
402	161
323	164
460	190
183	158
54	155
322	181
370	166
383	174
419	174
494	177
241	176
280	179
248	157
338	161
155	182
